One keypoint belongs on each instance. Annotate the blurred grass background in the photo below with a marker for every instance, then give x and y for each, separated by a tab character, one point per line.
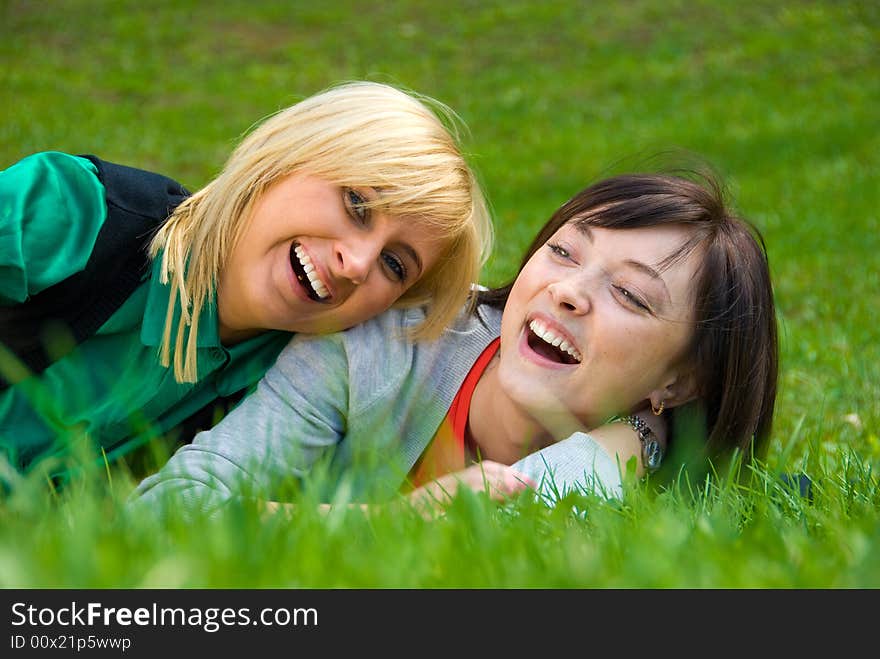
781	97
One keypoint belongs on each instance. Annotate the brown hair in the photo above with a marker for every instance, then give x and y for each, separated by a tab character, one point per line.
734	349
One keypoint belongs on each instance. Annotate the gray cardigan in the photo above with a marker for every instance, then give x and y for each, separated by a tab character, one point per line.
359	406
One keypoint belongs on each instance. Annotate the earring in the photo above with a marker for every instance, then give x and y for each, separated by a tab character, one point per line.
655	410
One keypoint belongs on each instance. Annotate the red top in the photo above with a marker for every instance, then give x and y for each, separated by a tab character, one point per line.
445	453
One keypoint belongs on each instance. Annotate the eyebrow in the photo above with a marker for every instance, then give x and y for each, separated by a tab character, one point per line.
585	230
414	255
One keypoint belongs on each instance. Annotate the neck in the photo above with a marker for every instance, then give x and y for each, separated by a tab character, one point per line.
499	428
229	336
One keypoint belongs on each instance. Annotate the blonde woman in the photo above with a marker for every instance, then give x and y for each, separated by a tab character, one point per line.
128	305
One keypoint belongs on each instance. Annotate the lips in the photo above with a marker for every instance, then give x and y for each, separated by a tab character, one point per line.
307	275
551	344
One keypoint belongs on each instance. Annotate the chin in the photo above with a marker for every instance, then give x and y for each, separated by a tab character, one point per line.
542	405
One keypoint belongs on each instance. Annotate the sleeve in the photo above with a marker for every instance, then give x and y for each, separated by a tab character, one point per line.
273	438
575	464
51	209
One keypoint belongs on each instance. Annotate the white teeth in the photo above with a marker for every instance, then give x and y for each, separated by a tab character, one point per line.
546	334
311	273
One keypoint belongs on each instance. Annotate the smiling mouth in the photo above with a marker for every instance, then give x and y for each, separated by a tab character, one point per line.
307	275
546	343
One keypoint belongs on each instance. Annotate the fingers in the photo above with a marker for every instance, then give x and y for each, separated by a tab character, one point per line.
498	480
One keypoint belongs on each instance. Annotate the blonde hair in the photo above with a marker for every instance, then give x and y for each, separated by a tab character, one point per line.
358	134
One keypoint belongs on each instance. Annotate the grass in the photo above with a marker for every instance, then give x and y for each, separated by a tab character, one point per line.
781	97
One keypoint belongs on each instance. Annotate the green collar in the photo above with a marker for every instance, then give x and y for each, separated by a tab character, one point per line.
157	307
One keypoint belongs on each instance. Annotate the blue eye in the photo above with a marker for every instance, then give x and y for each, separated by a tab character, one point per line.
355	202
395	265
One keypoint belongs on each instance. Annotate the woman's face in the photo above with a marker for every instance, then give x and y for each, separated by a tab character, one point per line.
594	327
312	259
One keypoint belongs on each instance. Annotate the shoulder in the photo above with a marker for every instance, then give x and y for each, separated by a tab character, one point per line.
391	331
378	357
55	165
41	194
45	182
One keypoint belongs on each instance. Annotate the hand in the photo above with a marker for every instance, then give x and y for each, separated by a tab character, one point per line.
500	481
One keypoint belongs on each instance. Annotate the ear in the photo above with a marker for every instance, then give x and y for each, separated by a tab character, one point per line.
681	388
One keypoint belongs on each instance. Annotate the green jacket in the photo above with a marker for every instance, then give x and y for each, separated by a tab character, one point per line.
110	393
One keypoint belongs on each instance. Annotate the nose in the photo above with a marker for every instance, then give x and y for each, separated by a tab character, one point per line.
571	294
355	256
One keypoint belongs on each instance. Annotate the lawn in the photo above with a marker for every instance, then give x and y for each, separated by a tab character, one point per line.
781	97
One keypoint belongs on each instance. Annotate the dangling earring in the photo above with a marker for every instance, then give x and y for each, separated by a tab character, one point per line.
655	410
